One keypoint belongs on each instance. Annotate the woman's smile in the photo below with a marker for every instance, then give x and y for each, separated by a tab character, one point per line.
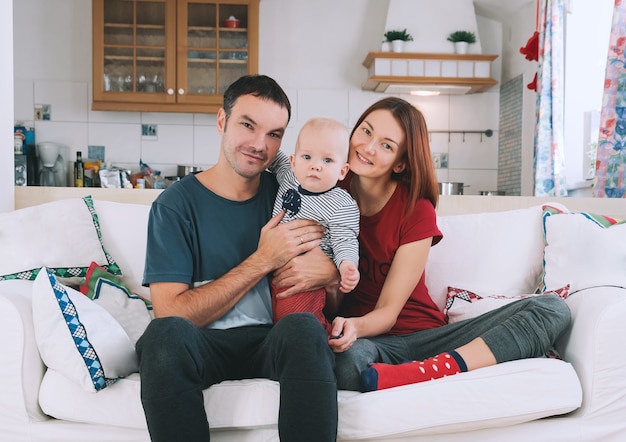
363	159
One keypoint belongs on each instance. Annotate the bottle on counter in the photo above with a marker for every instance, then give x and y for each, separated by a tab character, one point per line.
79	171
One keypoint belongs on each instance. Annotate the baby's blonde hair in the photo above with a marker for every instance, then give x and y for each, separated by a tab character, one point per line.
324	123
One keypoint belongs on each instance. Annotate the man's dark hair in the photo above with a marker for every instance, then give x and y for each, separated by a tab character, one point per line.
260	86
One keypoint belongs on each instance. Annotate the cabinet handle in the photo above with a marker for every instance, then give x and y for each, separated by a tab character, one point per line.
170	91
181	91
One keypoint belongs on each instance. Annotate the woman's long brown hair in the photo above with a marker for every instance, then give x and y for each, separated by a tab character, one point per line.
419	174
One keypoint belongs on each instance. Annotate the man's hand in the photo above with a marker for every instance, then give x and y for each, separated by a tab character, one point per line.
279	243
306	272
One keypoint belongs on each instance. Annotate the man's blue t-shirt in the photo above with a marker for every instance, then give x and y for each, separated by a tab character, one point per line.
196	236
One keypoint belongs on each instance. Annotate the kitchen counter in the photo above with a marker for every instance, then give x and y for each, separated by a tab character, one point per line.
26	196
448	204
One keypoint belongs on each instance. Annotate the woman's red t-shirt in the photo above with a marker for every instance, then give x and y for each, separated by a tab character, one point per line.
379	237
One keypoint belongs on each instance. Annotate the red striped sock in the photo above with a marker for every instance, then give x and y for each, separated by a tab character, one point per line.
380	376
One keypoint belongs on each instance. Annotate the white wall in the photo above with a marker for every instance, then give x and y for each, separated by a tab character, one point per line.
6	106
517	29
431	23
299	47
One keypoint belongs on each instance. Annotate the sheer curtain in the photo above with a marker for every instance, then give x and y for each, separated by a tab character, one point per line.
611	150
549	159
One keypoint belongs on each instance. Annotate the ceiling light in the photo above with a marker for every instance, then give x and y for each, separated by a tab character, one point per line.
426	89
423	93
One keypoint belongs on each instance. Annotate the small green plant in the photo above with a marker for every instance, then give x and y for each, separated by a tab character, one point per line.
466	36
397	34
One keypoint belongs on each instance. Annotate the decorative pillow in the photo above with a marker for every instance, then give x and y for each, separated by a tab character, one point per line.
131	311
62	235
463	304
77	337
583	250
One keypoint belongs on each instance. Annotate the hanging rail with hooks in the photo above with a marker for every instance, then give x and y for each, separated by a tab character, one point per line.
488	133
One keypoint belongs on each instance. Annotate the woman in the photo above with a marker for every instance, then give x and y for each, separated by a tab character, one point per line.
389	318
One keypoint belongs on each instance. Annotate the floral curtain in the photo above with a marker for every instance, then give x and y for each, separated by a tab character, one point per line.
549	159
611	151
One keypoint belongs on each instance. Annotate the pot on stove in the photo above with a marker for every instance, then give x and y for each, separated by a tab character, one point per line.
448	188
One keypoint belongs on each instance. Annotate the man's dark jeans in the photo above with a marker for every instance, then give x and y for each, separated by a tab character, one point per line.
178	360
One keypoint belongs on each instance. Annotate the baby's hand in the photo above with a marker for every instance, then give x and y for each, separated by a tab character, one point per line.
349	276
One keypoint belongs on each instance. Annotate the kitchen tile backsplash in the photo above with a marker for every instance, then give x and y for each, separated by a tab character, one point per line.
192	139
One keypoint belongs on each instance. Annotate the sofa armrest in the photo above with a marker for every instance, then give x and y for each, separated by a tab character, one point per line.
22	369
594	345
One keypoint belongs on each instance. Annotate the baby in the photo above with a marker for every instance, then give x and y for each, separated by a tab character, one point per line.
308	189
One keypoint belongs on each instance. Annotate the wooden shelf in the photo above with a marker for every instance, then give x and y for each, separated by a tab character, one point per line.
131	26
131	58
401	72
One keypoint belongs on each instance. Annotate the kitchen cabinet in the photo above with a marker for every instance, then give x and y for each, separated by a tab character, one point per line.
171	55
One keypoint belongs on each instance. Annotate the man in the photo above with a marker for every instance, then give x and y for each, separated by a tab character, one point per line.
210	249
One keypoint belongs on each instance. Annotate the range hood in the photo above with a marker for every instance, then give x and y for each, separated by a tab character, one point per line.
428	73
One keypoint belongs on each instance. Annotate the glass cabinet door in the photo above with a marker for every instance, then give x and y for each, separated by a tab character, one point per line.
216	38
171	55
135	51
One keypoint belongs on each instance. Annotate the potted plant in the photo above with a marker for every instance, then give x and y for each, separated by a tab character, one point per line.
461	40
397	37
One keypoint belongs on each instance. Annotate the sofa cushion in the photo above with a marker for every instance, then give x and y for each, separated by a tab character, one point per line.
78	337
63	235
583	250
436	407
250	403
124	232
497	252
131	311
464	304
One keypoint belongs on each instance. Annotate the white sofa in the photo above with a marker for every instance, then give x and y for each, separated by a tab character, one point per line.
495	248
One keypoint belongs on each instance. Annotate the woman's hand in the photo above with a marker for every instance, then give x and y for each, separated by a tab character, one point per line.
309	271
343	334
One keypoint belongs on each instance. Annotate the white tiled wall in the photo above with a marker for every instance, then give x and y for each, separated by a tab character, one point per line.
472	157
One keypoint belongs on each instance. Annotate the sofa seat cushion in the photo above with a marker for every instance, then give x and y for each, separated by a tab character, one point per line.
505	394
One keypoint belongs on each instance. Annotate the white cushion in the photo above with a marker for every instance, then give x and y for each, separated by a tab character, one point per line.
464	402
124	232
498	252
437	407
78	337
131	311
583	250
250	403
61	235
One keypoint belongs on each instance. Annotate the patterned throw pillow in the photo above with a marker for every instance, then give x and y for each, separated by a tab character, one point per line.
130	310
77	337
582	249
62	235
463	304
